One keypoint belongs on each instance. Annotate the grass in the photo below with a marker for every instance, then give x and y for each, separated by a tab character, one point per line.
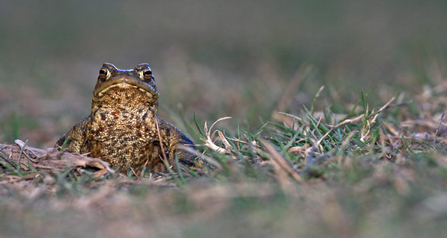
361	174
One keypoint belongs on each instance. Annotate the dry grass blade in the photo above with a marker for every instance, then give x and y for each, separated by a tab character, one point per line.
209	141
291	115
439	125
276	157
338	125
391	129
287	97
161	144
12	179
210	160
365	130
224	141
315	99
299	149
383	108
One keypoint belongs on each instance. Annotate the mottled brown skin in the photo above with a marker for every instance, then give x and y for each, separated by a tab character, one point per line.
122	127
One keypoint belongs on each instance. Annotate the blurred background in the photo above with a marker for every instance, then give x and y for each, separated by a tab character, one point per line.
244	59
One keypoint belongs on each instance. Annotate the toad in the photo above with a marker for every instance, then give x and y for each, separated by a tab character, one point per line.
122	126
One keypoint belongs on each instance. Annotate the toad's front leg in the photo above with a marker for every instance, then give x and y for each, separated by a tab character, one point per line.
172	138
76	137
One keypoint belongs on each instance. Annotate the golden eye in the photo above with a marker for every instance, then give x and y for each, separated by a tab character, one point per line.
147	73
103	73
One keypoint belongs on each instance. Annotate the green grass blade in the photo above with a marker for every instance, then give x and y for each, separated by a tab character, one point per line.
198	127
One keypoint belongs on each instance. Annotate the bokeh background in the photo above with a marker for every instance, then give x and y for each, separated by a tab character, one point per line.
244	59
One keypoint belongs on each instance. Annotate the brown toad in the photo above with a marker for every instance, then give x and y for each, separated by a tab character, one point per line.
122	127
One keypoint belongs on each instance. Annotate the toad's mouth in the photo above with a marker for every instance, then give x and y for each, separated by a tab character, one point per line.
125	83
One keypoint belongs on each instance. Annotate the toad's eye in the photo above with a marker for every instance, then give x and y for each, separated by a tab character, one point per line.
147	74
103	73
